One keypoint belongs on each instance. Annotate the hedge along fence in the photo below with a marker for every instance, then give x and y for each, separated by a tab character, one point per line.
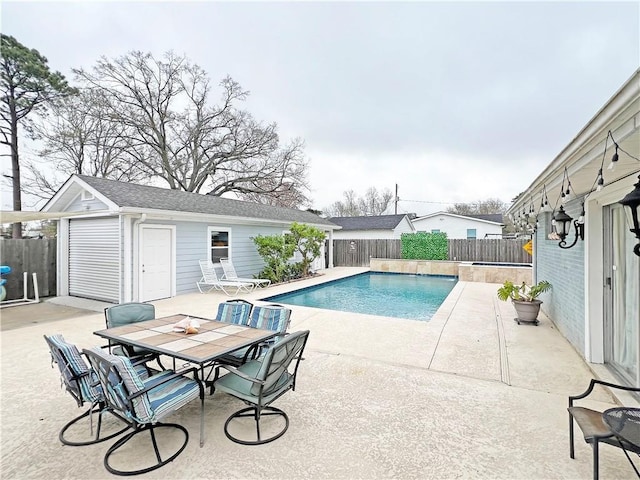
425	246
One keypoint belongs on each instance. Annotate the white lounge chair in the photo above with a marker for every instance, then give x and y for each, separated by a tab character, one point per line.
210	281
230	274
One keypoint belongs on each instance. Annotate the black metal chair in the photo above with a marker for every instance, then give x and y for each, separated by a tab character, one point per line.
593	428
260	382
142	403
80	382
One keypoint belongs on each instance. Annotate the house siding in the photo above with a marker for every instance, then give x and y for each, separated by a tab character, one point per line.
564	268
192	245
79	205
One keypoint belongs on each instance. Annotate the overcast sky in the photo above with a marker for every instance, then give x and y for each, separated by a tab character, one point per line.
452	101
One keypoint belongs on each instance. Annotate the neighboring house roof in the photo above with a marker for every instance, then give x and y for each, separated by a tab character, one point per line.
488	218
142	197
373	222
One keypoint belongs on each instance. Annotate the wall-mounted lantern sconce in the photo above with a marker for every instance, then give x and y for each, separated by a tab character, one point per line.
632	200
563	226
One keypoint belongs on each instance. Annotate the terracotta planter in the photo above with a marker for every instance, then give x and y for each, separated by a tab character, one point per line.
527	311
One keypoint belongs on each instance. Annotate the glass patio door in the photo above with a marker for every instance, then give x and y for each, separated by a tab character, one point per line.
622	297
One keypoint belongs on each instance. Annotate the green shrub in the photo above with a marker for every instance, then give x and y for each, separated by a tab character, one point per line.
307	241
425	246
277	250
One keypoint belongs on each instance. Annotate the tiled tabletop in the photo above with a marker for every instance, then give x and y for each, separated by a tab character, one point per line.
213	339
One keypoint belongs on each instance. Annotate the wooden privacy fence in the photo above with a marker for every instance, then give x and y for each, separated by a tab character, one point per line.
489	250
356	253
31	256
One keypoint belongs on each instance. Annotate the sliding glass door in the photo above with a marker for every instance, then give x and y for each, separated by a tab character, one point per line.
622	297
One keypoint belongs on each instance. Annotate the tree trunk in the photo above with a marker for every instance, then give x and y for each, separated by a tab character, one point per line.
15	172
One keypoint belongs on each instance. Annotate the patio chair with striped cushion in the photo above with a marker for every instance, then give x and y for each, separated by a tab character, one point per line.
268	317
80	381
143	403
236	311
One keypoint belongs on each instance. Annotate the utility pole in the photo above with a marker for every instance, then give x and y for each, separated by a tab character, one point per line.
395	200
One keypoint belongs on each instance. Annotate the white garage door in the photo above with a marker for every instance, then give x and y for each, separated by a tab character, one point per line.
94	259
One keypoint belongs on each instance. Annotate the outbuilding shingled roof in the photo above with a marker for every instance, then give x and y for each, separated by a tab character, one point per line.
145	197
373	222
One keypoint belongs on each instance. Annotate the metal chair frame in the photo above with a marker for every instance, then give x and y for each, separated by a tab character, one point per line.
72	381
577	413
269	374
115	387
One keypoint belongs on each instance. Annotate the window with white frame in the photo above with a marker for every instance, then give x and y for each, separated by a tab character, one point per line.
219	243
471	234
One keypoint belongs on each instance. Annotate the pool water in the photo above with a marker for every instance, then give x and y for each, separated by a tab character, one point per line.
415	297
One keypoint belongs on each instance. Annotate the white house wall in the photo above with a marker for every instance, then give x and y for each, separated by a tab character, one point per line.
405	226
456	227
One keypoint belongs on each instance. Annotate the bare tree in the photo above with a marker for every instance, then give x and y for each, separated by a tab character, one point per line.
347	208
488	206
79	137
175	133
273	190
372	203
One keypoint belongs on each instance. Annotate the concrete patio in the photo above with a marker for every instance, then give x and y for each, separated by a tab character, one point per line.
470	394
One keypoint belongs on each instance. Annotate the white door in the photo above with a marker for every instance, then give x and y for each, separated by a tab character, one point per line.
319	263
156	262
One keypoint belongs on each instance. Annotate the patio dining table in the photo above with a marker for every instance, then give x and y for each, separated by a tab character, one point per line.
624	422
213	339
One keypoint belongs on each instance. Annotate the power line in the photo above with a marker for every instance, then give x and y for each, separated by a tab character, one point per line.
425	201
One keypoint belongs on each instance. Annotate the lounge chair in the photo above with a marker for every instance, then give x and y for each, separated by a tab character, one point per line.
210	281
230	274
259	383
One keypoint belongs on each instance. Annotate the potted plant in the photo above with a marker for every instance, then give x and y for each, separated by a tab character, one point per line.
524	298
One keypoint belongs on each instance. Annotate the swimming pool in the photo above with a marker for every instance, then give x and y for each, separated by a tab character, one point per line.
415	297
